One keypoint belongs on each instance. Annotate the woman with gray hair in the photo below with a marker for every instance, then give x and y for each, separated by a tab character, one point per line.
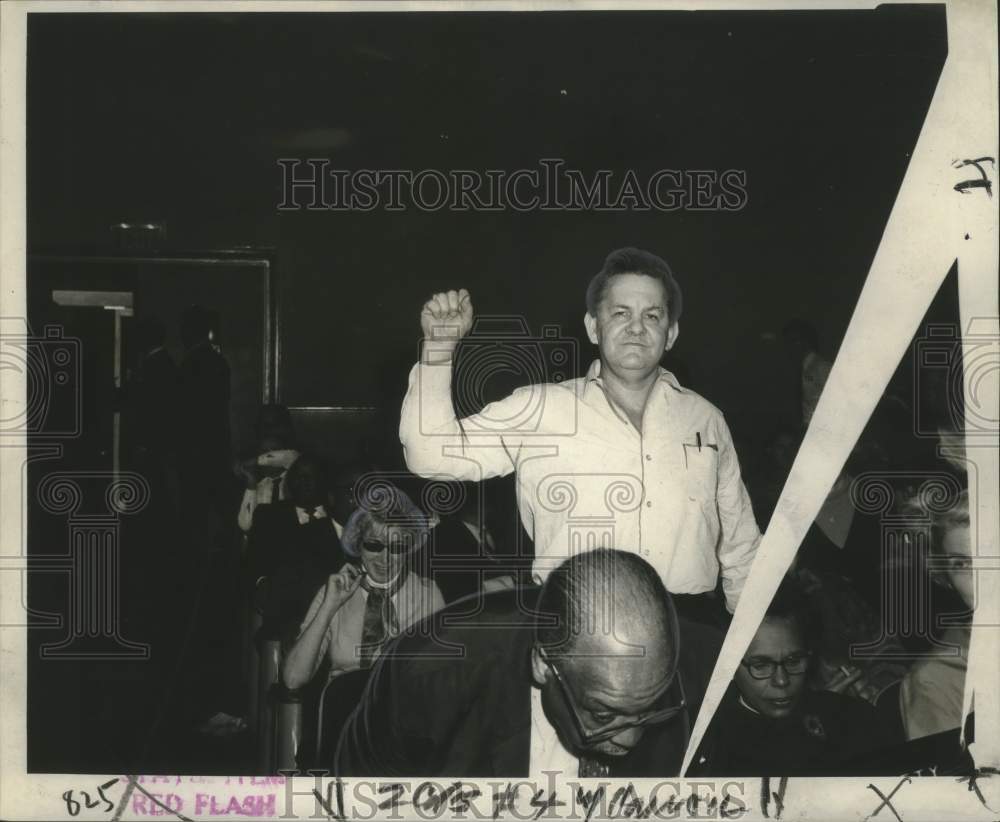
372	598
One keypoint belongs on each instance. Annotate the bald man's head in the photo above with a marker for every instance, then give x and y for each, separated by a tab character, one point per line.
605	599
606	648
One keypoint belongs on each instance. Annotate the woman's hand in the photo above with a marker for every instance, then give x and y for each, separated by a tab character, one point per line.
341	585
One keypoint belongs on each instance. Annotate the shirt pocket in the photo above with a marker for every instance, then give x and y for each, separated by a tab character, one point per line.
702	473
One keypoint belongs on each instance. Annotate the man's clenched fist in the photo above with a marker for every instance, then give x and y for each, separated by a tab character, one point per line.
447	317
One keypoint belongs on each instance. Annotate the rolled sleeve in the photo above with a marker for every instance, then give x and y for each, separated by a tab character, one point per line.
437	444
740	534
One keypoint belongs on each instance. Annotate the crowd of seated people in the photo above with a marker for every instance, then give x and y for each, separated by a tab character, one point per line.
338	561
341	576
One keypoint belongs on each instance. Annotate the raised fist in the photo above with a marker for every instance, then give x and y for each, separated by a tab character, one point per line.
447	317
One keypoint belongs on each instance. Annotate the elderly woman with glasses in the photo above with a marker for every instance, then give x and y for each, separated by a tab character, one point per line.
374	597
771	721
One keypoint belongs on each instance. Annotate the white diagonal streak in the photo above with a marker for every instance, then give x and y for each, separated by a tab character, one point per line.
923	237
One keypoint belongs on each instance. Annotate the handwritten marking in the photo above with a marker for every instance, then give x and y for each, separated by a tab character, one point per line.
165	807
333	803
975	775
766	796
504	801
886	799
123	802
964	186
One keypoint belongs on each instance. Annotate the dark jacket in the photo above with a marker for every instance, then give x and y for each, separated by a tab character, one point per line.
821	738
294	561
453	697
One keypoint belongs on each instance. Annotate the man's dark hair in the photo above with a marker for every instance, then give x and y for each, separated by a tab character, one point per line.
635	261
603	591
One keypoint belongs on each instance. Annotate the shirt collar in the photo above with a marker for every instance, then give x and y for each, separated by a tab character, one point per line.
594	375
390	588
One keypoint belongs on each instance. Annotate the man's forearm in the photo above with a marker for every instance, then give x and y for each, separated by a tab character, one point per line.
427	422
437	352
435	443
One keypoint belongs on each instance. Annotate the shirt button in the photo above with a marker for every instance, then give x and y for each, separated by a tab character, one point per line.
649	457
649	503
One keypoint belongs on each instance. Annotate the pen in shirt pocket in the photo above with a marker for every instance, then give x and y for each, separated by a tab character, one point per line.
699	444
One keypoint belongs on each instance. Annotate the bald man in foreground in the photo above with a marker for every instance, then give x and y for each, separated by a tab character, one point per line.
592	674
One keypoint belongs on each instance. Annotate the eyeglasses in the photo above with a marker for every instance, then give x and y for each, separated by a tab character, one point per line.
590	735
764	668
395	546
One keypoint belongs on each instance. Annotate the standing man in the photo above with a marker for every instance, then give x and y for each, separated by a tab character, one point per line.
624	456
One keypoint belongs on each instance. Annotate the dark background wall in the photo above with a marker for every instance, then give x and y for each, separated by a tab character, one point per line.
182	118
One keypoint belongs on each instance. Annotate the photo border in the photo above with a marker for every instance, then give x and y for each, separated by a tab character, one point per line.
930	226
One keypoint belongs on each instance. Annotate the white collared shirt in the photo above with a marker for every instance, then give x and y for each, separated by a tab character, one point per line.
416	598
587	478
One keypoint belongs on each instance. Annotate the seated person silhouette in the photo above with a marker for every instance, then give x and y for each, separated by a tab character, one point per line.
292	549
771	723
265	471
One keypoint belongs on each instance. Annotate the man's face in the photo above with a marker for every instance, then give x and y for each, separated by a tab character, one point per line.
603	691
632	328
958	551
778	695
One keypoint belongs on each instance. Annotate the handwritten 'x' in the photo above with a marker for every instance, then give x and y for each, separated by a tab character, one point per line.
885	799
